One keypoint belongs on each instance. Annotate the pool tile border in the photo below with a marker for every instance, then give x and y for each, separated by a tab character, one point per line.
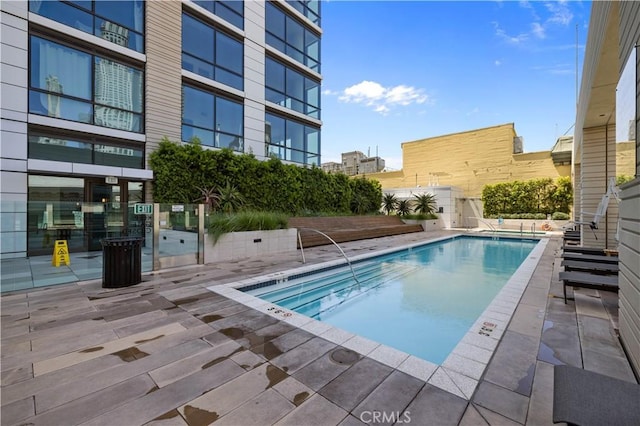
461	370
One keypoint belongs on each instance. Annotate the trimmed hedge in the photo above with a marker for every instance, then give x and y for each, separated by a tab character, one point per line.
533	196
180	169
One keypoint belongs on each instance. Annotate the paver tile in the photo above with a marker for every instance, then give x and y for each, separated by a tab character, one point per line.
513	363
351	387
393	395
502	401
320	372
174	395
432	403
265	409
302	355
234	393
314	411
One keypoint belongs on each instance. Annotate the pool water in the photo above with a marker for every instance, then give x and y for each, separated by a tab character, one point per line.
421	301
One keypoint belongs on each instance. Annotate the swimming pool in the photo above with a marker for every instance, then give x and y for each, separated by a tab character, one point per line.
422	300
462	369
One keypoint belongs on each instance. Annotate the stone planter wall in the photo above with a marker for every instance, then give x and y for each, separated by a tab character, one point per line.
239	245
427	225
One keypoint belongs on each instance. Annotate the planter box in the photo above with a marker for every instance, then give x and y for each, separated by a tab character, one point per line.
427	225
514	224
240	245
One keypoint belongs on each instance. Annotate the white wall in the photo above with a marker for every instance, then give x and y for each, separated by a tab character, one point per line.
13	128
446	197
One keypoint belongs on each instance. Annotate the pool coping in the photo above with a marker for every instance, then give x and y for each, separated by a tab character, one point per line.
463	368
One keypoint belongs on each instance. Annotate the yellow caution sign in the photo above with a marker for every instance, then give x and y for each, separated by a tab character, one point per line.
60	254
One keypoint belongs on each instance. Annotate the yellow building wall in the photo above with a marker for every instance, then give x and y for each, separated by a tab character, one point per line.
469	160
626	158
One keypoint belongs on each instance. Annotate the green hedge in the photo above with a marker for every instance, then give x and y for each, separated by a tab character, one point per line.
245	221
533	196
180	169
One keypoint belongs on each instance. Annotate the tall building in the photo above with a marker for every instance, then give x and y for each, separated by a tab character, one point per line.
355	163
90	88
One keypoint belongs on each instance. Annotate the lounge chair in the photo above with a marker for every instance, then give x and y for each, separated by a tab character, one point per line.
590	257
583	250
585	398
593	267
587	280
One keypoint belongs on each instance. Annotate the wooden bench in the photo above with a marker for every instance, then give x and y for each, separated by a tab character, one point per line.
348	228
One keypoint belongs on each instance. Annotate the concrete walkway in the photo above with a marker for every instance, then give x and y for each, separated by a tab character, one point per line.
170	352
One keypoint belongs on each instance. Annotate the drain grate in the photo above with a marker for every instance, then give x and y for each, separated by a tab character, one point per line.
344	356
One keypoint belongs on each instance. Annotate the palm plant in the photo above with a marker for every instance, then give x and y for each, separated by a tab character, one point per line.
208	196
425	203
389	203
404	207
229	198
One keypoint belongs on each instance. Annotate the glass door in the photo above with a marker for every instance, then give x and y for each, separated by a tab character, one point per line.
105	217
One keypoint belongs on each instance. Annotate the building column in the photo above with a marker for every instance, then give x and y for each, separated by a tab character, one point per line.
13	139
597	166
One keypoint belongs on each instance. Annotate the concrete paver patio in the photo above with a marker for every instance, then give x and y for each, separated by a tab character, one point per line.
170	352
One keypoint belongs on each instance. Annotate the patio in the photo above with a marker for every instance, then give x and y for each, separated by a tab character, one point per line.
170	352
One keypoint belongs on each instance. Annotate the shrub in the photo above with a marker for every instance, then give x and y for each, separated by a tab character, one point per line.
245	221
559	216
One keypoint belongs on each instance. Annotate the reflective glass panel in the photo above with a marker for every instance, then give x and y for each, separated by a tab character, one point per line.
124	12
197	38
229	53
59	69
228	116
198	108
59	149
119	156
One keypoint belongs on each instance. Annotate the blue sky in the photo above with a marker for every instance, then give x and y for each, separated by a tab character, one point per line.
396	71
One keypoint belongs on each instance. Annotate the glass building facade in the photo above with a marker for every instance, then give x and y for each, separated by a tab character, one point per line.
95	85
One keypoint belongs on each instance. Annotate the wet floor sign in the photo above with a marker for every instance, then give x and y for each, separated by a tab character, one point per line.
60	254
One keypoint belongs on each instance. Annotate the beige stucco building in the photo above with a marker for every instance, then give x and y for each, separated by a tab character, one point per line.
472	159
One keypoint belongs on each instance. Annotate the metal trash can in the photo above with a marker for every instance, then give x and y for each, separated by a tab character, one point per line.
121	261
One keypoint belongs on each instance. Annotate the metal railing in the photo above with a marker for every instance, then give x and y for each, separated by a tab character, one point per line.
334	243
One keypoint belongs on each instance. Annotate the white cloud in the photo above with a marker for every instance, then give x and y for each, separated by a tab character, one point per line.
382	99
538	30
497	63
473	111
560	13
515	40
557	69
329	92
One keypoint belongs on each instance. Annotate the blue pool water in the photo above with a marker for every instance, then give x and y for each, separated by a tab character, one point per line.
421	301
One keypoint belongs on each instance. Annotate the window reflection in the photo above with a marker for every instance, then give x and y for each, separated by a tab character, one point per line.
292	38
61	81
292	141
211	53
231	11
120	22
214	120
291	89
55	148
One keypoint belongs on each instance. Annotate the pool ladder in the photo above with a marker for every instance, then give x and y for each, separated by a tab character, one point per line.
334	243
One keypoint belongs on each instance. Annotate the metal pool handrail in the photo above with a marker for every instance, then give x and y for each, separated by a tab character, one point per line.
334	243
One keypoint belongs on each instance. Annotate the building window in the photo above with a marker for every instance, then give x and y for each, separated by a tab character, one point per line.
211	53
120	22
291	89
292	141
309	8
84	150
216	121
231	11
290	37
78	86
